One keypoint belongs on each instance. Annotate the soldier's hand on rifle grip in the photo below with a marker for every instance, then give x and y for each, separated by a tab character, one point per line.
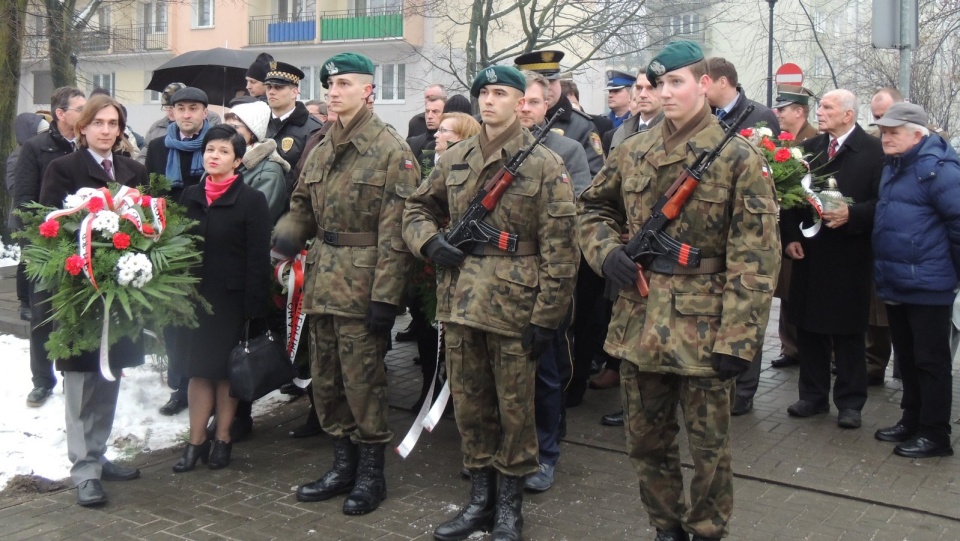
443	253
728	366
619	269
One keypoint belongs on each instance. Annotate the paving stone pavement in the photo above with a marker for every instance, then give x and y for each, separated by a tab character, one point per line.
795	479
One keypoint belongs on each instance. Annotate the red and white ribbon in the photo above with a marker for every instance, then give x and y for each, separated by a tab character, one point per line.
290	273
815	203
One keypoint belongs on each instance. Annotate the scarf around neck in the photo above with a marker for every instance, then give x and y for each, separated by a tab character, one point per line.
340	134
674	137
214	190
173	142
489	147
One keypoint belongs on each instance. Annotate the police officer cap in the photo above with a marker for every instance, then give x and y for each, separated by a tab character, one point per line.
676	55
281	73
619	79
790	94
258	70
192	94
169	91
498	75
546	63
345	63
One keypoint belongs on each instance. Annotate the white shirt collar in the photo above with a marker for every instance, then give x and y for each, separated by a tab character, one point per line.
843	137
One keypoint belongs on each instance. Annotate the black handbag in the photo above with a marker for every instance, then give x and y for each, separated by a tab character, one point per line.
258	366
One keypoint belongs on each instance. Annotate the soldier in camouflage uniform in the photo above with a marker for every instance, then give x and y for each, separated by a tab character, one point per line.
500	309
350	196
687	341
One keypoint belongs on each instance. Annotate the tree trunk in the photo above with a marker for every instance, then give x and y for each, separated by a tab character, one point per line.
12	29
62	38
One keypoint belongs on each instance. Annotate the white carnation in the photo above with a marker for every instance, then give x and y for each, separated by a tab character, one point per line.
73	201
796	153
134	269
107	223
764	132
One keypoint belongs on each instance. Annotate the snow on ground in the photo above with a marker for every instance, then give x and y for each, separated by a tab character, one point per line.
34	441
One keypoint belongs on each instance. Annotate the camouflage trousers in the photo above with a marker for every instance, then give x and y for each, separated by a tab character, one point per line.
492	380
349	380
650	407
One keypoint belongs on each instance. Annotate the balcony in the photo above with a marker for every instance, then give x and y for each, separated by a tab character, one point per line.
367	25
122	39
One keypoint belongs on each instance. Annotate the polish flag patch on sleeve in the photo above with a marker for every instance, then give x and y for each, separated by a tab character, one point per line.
563	176
407	164
766	171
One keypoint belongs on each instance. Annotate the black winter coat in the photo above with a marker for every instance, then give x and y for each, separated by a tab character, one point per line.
234	277
65	176
830	286
35	156
292	138
156	162
761	113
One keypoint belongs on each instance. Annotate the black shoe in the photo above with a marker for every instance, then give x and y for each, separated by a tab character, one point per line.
240	428
38	396
339	479
291	389
408	335
677	534
784	361
90	493
220	454
848	419
875	381
596	366
115	472
477	515
806	408
191	454
741	406
613	419
921	447
702	538
509	518
173	406
371	486
896	433
24	311
310	427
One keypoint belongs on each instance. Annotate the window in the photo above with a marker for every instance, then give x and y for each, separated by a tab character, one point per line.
688	23
296	10
203	13
306	85
391	82
819	66
376	6
104	81
819	22
42	87
103	17
155	17
154	96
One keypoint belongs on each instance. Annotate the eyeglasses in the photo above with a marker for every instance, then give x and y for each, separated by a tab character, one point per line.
166	108
444	130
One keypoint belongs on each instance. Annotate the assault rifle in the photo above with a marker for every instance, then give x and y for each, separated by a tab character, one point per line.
651	243
471	228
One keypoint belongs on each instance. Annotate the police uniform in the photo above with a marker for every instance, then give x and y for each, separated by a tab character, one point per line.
691	326
350	197
573	123
617	80
292	132
488	302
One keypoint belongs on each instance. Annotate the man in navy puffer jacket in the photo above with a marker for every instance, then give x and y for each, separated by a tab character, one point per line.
916	243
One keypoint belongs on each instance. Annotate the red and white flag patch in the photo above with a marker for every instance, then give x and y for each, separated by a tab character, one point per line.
407	164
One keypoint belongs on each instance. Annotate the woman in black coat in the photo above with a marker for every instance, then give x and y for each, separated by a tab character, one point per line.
91	400
234	222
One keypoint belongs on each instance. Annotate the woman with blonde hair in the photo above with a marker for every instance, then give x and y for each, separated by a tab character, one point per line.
454	127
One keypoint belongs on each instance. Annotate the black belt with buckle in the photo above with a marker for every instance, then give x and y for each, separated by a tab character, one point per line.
335	238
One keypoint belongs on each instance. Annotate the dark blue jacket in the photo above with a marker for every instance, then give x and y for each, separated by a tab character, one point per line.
916	230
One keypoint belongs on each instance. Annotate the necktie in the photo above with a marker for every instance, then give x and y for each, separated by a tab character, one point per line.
108	167
832	149
721	113
275	124
73	146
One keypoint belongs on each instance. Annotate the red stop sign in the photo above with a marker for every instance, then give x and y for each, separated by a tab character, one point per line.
789	74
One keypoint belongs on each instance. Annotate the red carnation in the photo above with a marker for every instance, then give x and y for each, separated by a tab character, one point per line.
148	229
74	264
768	144
49	228
786	136
121	241
95	205
746	132
782	155
145	201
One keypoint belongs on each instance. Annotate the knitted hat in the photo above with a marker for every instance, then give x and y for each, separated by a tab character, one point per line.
256	116
258	70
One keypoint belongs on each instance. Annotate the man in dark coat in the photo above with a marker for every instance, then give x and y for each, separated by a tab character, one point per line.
35	156
418	122
90	398
728	100
290	122
433	110
830	286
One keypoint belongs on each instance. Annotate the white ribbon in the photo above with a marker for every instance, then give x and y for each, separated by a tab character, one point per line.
815	203
429	415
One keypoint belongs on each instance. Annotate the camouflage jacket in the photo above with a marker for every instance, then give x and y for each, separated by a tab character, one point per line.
731	214
356	187
501	294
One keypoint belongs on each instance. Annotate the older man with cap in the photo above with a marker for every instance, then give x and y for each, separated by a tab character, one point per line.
686	341
290	122
500	309
350	198
618	96
573	123
916	244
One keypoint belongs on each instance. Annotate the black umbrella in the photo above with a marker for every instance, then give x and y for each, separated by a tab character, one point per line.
218	72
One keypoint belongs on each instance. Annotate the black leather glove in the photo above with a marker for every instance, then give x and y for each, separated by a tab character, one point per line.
380	317
538	339
286	246
728	366
443	253
619	269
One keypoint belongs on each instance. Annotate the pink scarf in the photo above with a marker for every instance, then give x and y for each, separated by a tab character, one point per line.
215	189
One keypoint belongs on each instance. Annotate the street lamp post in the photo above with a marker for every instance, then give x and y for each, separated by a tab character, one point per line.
770	56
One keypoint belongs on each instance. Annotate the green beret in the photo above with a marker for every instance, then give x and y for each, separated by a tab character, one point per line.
498	75
676	55
345	63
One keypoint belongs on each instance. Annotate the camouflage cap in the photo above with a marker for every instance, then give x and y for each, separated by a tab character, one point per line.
345	63
790	94
168	91
498	75
676	55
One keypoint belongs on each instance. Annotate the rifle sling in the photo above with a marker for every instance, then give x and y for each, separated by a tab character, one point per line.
524	248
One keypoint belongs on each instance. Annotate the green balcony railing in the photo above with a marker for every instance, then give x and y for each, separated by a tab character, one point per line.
362	25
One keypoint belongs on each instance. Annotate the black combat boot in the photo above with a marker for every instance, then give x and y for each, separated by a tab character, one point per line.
676	534
371	487
478	514
339	480
509	501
